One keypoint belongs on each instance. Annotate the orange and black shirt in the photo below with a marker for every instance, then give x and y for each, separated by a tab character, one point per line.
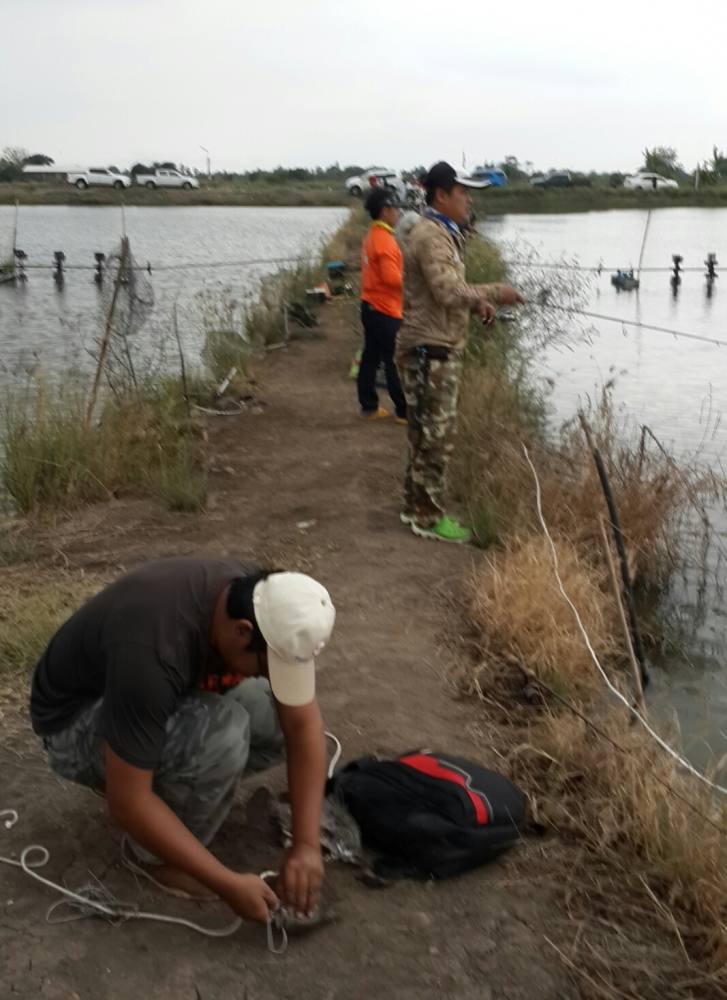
382	270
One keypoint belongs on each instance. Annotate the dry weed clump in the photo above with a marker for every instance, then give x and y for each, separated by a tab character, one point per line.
655	495
610	785
518	611
33	605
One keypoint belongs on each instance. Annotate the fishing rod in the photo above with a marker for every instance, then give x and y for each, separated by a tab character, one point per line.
715	341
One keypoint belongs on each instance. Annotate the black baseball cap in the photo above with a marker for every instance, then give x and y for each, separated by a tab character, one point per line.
379	198
443	175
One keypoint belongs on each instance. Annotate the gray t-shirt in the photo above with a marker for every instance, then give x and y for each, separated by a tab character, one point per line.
140	644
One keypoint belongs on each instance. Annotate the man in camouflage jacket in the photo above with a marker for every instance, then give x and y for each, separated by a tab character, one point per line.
431	340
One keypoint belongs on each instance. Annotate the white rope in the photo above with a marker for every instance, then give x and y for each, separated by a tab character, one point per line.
84	903
90	900
614	690
336	754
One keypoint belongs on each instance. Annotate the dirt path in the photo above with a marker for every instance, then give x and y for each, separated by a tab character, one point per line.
306	484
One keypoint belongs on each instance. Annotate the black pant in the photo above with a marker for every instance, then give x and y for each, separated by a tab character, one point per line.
379	341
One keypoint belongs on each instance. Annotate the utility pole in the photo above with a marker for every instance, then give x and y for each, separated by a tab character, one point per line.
209	169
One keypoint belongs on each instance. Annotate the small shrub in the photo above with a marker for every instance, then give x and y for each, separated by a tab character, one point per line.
143	438
220	318
182	480
265	320
48	455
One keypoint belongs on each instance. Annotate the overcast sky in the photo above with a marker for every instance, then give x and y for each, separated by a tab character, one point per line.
305	82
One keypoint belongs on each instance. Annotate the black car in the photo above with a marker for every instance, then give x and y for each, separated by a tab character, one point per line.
556	178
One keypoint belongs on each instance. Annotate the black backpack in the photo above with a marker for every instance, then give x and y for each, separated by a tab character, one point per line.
430	814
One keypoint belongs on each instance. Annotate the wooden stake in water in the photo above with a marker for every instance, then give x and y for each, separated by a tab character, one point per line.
628	590
643	243
618	594
120	277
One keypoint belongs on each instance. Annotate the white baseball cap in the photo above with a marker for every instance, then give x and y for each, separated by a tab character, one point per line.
295	615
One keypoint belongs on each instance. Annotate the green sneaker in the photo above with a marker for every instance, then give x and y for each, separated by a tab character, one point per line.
445	530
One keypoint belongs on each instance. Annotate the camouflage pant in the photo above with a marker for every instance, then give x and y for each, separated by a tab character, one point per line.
211	739
431	389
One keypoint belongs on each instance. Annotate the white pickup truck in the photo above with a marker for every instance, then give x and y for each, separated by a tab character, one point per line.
98	176
167	179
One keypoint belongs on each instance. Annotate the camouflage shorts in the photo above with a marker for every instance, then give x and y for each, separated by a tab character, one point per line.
431	389
210	741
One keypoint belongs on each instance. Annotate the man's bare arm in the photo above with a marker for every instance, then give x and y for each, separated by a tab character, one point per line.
302	871
134	805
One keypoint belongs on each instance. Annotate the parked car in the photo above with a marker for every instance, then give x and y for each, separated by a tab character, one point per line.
496	177
357	185
98	177
167	178
554	178
644	181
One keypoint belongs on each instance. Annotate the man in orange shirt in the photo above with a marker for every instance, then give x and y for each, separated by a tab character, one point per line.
382	279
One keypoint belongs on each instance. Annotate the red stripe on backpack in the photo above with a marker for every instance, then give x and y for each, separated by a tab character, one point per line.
430	766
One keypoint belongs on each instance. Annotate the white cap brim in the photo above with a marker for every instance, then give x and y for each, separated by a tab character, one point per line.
292	684
470	182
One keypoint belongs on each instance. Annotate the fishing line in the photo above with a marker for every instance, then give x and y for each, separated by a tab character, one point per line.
635	323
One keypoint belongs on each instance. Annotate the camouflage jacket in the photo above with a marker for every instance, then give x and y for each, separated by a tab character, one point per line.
437	299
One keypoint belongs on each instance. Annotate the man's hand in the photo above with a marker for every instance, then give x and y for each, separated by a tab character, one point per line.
250	897
299	882
486	311
510	296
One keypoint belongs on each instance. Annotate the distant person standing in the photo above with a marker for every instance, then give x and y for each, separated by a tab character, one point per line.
430	344
381	304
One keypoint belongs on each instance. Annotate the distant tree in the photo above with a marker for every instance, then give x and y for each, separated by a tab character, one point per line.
662	160
616	180
15	155
719	162
141	168
705	175
38	160
11	163
512	169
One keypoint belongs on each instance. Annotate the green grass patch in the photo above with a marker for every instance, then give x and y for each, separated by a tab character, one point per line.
145	441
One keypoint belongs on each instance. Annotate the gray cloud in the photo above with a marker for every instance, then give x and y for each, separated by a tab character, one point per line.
574	83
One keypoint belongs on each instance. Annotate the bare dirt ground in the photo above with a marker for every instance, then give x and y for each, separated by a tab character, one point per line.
304	484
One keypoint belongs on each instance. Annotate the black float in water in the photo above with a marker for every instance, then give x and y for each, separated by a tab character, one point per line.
100	259
676	278
58	273
711	275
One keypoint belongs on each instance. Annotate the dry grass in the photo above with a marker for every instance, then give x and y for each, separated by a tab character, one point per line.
655	494
646	907
33	604
633	803
345	244
518	612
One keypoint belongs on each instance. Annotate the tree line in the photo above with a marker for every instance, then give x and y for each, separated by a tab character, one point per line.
660	159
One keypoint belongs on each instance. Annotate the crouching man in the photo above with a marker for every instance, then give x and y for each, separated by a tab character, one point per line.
126	699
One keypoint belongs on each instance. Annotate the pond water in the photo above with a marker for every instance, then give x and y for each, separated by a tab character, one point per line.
40	319
675	385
